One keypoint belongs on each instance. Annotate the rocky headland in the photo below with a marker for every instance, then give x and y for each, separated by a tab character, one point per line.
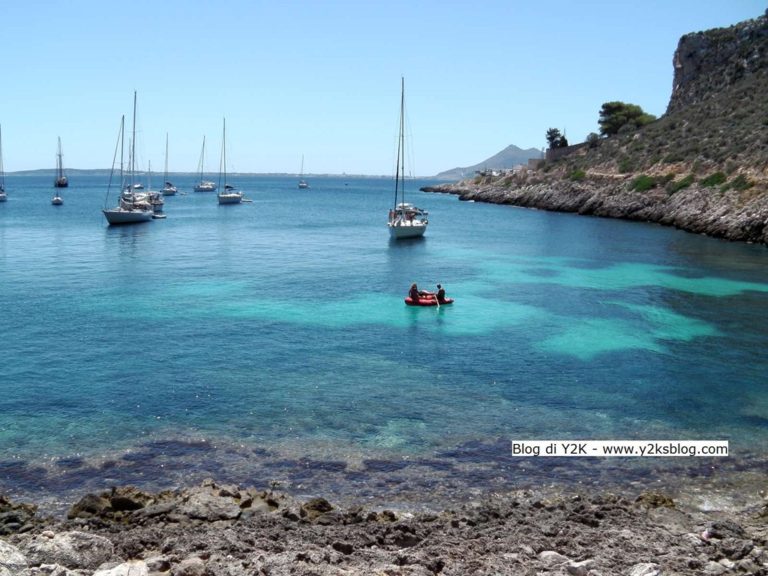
694	209
215	529
702	167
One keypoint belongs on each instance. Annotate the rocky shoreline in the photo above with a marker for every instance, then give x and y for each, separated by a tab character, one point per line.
732	215
214	529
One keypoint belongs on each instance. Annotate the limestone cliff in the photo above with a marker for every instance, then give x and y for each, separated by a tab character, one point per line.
707	63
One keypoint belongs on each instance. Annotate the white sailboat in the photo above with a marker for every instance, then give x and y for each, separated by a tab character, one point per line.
168	188
302	183
61	180
154	197
230	195
3	195
405	220
131	208
204	185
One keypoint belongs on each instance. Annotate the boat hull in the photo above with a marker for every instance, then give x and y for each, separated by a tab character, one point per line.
230	198
407	229
205	187
117	216
57	201
426	301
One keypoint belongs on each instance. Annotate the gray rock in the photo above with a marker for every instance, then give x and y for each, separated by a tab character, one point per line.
54	570
208	506
158	563
714	569
130	568
579	568
12	561
645	569
552	558
72	550
190	567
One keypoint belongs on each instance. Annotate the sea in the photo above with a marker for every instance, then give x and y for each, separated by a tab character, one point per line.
268	344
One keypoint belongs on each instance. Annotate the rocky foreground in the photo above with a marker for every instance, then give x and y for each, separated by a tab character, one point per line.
226	530
732	214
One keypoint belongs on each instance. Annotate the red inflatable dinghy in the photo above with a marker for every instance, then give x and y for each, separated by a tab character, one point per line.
427	301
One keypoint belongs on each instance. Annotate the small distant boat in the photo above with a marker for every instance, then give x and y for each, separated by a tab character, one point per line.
204	185
3	195
405	220
61	180
168	189
57	200
302	183
230	195
131	208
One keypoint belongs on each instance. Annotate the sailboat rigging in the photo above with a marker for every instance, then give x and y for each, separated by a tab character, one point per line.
168	189
302	183
230	195
61	180
204	185
405	220
3	195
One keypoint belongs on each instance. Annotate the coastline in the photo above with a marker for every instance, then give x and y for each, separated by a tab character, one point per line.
731	215
223	529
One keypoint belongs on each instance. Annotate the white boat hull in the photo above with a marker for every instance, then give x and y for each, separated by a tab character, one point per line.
120	216
205	187
3	197
407	229
230	198
57	201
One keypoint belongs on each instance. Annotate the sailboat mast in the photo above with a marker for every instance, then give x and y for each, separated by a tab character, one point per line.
223	161
122	149
165	174
2	169
58	161
133	142
202	159
400	167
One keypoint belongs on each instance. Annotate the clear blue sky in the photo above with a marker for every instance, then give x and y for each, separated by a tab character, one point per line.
322	78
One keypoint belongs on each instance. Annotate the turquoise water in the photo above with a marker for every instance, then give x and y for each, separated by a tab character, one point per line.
269	342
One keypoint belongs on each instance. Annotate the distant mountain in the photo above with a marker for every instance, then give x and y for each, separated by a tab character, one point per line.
510	157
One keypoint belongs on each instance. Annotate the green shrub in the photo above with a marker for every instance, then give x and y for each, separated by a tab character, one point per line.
739	183
626	165
673	186
643	183
577	175
714	180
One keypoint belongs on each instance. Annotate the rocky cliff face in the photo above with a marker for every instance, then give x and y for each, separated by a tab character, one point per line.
709	62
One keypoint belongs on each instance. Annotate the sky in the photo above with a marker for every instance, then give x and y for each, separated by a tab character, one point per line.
321	79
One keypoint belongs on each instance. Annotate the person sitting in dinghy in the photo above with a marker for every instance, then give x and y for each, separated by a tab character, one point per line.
415	294
440	294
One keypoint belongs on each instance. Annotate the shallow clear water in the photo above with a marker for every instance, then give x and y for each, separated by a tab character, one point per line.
269	342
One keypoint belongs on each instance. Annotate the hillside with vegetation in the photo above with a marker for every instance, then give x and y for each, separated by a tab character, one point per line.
702	167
